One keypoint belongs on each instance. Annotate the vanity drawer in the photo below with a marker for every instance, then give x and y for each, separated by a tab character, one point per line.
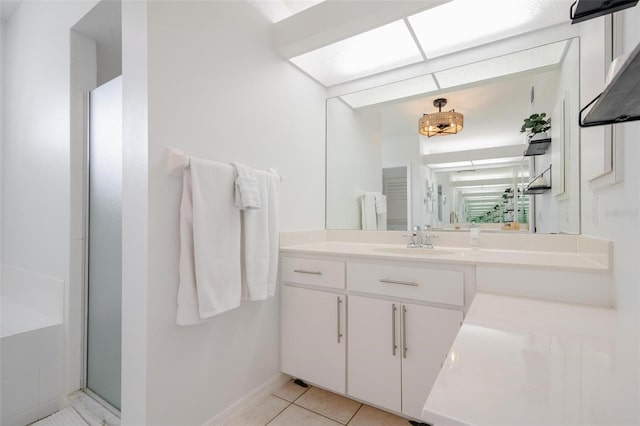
433	285
320	272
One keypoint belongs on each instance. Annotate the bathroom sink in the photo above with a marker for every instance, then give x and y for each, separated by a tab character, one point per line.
412	251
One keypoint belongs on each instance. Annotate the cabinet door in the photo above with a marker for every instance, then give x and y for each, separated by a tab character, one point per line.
313	336
374	352
428	334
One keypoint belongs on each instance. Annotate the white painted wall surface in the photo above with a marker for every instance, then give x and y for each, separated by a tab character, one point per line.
36	158
355	159
217	90
135	212
613	212
36	146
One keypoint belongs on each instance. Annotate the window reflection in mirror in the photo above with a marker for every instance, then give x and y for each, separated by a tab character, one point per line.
479	175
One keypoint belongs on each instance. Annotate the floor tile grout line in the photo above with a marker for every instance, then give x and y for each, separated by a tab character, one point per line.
285	400
279	412
354	414
303	392
294	399
320	414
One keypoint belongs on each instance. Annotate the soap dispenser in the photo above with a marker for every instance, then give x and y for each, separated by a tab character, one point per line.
474	232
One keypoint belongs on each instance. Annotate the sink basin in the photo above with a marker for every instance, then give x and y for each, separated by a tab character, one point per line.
412	251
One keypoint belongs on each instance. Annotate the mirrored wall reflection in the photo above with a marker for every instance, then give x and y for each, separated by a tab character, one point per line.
483	169
492	196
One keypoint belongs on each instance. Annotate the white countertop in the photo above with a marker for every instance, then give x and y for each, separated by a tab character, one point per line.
518	361
548	260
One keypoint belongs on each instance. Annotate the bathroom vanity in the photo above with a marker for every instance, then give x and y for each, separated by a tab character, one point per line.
398	320
376	321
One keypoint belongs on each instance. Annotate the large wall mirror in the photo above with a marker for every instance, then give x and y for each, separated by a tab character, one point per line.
382	174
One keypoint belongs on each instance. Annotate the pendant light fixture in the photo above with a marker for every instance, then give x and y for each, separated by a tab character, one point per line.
440	123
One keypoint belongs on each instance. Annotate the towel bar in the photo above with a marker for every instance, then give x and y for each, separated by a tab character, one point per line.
175	161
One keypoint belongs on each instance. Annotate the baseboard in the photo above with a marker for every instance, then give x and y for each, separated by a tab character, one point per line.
248	400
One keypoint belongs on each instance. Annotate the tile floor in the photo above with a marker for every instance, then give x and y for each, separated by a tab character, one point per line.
293	405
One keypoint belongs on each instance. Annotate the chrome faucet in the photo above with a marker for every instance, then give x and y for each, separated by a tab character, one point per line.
419	238
415	238
425	241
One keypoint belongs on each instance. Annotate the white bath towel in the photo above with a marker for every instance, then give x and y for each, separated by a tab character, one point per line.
260	230
368	210
210	271
247	194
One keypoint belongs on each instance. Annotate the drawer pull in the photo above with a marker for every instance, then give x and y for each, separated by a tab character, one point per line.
302	271
386	281
394	347
404	331
339	328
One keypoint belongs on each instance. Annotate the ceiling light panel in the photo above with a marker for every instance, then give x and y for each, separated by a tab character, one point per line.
501	161
389	92
462	24
525	60
381	49
450	165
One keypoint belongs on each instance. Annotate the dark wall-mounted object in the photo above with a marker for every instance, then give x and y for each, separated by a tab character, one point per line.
620	101
588	9
537	147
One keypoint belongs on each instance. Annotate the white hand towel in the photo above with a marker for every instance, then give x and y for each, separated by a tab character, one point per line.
260	240
381	203
213	267
381	212
368	208
247	193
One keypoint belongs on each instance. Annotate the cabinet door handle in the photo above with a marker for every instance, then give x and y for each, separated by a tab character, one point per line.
339	301
387	281
394	347
302	271
404	331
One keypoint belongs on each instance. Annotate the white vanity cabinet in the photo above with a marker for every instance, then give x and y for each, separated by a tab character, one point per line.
314	322
377	331
396	348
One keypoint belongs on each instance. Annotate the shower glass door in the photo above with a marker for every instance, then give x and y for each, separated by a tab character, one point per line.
104	247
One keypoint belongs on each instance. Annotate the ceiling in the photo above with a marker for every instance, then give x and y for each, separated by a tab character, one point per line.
339	54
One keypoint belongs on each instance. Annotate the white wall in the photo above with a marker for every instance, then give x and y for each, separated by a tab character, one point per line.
354	156
36	154
561	213
217	90
613	212
36	148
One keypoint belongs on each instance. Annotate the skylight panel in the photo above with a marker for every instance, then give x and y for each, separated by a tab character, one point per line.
381	49
462	24
450	165
388	92
538	57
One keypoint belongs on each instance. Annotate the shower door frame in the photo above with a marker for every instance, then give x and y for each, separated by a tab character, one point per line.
85	261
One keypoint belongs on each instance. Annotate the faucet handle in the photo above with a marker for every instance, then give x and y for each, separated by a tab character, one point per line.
414	239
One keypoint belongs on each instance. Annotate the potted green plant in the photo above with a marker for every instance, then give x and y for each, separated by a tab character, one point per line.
538	126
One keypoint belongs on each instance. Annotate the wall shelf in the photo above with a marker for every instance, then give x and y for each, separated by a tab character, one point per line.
588	9
537	147
539	189
620	100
